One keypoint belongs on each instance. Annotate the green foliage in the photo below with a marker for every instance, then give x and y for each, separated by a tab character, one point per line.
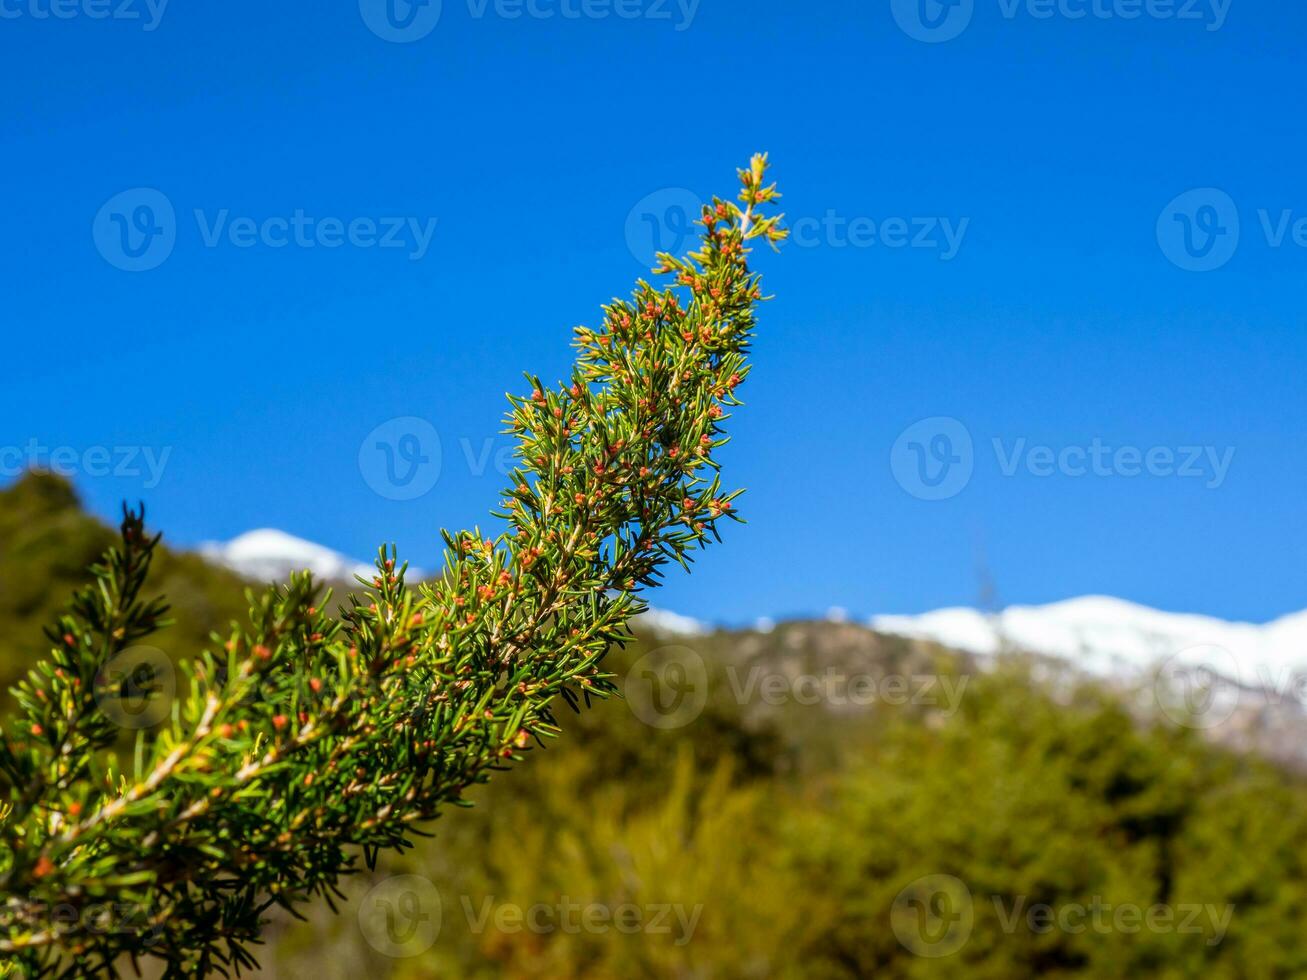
793	829
1026	796
1031	800
304	735
47	543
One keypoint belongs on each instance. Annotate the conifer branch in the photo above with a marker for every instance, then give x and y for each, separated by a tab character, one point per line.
310	737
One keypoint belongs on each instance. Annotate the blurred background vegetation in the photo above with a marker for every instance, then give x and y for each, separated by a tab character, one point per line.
790	839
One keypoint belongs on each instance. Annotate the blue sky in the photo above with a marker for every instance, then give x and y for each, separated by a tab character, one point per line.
995	233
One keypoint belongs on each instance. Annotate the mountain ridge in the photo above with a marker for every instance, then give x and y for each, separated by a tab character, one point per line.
1102	635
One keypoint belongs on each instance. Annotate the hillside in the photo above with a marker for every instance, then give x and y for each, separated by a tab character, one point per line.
772	803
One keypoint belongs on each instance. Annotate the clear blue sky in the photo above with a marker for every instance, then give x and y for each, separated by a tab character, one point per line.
1052	146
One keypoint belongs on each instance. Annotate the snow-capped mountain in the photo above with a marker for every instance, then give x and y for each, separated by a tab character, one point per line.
666	623
1113	637
271	555
1245	684
1097	634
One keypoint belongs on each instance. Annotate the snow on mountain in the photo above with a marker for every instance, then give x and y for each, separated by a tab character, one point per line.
271	555
672	624
1097	634
1113	637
